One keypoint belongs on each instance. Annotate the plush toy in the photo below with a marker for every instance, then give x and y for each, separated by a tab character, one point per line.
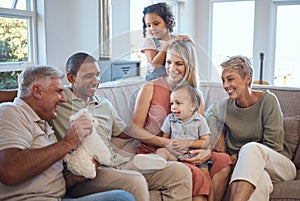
79	161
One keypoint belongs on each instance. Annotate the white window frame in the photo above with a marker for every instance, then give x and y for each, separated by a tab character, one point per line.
29	15
272	45
264	39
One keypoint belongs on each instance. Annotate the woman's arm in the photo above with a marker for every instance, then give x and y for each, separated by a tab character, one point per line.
273	132
142	105
202	104
220	143
140	114
202	143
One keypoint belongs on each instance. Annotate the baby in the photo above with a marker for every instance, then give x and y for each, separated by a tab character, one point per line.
185	125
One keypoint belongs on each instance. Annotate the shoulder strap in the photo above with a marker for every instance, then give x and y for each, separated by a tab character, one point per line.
156	42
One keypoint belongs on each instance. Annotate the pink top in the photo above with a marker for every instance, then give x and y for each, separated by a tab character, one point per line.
158	111
149	44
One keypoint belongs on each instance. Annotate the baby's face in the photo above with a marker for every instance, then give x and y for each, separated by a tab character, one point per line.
181	104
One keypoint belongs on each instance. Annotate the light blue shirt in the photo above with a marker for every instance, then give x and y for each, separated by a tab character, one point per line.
195	127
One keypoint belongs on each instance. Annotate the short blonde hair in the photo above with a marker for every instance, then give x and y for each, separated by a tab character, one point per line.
240	64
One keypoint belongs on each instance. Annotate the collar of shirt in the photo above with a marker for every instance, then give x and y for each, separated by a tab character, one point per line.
42	123
71	96
195	116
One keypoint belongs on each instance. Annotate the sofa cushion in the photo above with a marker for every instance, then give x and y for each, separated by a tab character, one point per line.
122	94
291	130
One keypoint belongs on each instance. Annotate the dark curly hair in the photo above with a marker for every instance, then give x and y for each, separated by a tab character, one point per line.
164	11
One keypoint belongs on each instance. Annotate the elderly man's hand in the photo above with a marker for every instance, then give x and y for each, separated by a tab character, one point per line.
79	129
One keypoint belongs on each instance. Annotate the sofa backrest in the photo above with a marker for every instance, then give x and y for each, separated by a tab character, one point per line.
122	94
7	95
288	96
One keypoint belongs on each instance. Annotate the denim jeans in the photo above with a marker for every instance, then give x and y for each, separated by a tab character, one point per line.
112	195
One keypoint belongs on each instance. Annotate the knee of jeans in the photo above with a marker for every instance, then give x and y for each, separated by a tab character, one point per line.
127	196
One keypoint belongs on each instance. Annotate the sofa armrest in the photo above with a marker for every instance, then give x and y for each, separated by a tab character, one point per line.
8	95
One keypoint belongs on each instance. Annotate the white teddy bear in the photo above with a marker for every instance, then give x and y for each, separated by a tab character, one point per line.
79	161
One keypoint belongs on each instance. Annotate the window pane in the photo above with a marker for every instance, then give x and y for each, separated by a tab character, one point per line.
287	60
14	4
13	40
232	30
9	79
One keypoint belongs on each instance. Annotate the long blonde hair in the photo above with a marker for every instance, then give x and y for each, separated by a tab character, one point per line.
187	51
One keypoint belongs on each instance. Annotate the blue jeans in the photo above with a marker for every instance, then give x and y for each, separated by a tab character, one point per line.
112	195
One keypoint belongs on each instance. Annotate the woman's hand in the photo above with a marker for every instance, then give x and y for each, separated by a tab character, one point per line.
181	145
234	159
220	145
173	151
202	155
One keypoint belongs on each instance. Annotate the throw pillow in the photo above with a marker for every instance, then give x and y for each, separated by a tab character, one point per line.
292	132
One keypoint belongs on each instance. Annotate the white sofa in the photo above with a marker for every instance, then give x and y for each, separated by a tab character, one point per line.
122	95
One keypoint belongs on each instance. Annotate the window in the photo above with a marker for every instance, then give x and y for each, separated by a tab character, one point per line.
251	27
17	30
287	60
232	30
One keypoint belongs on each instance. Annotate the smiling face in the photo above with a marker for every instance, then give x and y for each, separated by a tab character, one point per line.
156	26
85	83
237	76
182	106
175	65
51	97
234	84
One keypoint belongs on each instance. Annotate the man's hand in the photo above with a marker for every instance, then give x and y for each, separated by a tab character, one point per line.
72	180
96	162
79	129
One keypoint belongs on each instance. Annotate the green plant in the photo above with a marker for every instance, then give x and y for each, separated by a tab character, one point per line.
13	40
13	48
9	80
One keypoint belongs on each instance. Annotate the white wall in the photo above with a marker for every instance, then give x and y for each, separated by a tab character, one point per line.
69	26
194	22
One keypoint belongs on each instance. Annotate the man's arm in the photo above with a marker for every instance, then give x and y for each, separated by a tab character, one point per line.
17	165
